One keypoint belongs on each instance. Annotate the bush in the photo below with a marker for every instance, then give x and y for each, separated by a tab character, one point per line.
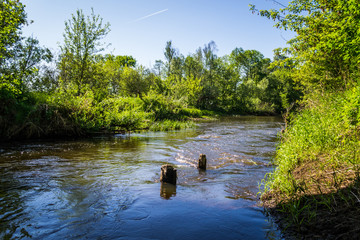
123	113
163	107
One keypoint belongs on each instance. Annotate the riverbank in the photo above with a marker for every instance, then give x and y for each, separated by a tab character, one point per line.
332	215
314	190
78	116
65	115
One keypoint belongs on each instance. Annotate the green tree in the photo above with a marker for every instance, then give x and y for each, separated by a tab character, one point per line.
82	41
27	59
12	19
20	58
250	64
170	53
113	66
136	82
46	79
227	84
283	90
326	46
120	61
208	98
158	67
192	67
177	67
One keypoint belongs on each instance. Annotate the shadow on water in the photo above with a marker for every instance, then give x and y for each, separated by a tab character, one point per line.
108	187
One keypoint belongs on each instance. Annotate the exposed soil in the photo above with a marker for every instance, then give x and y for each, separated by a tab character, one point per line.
327	204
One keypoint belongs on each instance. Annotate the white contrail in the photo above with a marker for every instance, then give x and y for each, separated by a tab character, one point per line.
150	15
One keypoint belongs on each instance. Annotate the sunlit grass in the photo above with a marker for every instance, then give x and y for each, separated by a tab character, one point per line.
168	125
318	156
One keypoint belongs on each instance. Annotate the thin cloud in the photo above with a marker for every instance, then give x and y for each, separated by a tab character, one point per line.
150	15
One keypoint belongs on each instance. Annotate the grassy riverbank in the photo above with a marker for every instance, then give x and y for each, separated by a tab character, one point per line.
315	185
65	115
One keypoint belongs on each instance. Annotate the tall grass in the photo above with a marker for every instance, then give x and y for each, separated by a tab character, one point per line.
313	132
318	154
65	113
167	125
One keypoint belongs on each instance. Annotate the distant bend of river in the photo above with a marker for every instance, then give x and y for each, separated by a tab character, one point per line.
108	187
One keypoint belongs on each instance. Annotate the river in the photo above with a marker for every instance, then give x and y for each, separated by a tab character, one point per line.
107	187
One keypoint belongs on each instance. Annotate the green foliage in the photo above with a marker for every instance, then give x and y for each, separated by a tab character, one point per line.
79	109
34	117
25	65
326	42
82	41
250	64
318	161
193	66
19	58
121	61
12	18
193	88
85	91
170	53
351	109
326	128
242	82
167	125
162	107
135	82
45	80
112	113
111	73
123	114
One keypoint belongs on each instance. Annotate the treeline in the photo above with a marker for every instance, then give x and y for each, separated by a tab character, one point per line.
82	90
315	184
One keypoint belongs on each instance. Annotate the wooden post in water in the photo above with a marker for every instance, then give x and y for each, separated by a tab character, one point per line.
202	162
168	174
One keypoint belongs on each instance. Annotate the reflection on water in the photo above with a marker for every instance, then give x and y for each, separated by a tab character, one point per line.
167	190
108	187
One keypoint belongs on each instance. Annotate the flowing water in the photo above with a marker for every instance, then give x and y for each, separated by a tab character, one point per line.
108	187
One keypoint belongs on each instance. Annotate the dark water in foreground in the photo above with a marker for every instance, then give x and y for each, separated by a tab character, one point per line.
108	187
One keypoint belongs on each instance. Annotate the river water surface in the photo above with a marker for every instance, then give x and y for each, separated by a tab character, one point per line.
108	187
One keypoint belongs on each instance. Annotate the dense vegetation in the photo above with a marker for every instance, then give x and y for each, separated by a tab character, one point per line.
315	184
83	90
314	82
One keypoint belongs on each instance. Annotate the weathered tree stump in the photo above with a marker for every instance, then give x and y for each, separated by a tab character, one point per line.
168	174
202	162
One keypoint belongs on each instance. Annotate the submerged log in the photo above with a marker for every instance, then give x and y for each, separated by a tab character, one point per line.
168	174
202	162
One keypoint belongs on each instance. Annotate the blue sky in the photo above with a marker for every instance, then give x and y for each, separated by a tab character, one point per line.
141	28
